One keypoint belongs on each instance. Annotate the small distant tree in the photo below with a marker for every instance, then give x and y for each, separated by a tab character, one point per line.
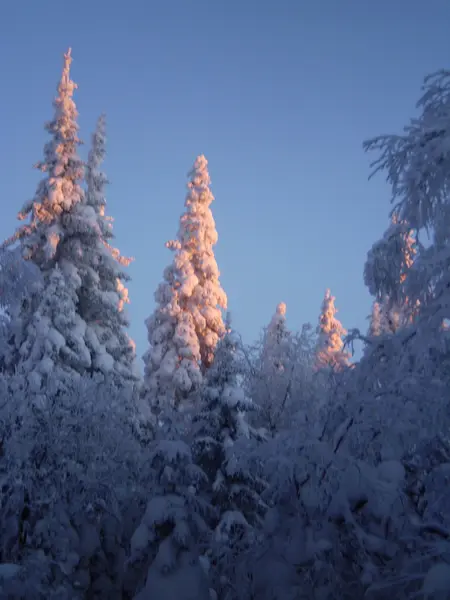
279	368
276	341
330	346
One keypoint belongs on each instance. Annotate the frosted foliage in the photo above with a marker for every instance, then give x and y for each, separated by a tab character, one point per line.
389	261
102	293
68	231
60	190
73	476
95	178
387	317
330	346
278	372
172	362
55	340
200	286
219	425
276	340
172	529
416	165
345	494
385	273
416	162
18	279
222	388
188	582
187	323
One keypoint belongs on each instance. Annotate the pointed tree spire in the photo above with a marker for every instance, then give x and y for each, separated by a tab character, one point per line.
187	323
95	178
103	293
64	238
197	235
65	77
43	239
276	340
60	188
330	346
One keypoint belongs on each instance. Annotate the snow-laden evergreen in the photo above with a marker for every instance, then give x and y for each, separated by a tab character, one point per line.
197	236
166	546
59	191
220	423
35	346
172	370
102	295
19	279
65	241
187	322
276	341
330	352
55	339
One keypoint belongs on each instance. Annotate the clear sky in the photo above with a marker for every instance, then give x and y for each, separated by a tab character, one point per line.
279	97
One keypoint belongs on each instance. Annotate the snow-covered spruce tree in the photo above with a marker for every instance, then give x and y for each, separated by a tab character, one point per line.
276	340
196	238
41	240
172	371
330	351
164	561
62	234
221	421
187	322
102	294
55	338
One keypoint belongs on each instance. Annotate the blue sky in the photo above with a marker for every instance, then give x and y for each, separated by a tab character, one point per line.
279	97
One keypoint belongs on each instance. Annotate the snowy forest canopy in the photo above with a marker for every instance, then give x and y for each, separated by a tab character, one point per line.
280	470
